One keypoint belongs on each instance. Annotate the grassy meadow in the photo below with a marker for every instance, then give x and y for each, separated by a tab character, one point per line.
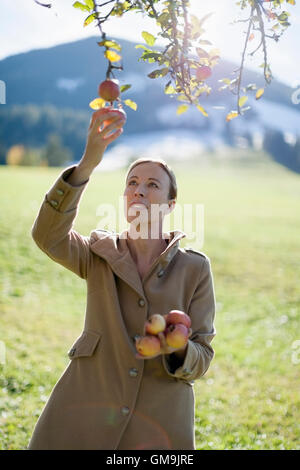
249	398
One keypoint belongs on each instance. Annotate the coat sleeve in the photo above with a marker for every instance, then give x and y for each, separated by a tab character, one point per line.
52	229
199	351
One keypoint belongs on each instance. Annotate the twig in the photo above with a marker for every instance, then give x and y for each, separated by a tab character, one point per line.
47	5
243	59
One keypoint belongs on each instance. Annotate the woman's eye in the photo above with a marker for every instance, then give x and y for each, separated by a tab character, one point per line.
131	182
154	184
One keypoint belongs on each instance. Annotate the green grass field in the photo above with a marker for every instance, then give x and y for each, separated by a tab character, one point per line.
249	398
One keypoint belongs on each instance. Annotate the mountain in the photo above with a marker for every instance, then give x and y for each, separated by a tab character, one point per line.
61	81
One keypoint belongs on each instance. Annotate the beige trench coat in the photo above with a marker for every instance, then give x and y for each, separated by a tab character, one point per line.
106	398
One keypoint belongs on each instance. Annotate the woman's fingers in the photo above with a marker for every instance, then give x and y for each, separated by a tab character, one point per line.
162	340
117	124
98	120
113	136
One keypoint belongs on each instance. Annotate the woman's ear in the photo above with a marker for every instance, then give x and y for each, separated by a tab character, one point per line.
171	204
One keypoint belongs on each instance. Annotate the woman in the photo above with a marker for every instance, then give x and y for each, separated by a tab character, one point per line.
109	397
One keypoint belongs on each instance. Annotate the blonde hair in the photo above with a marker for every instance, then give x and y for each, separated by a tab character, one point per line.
173	184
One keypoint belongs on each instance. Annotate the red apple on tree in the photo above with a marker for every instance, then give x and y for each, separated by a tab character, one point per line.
109	90
203	72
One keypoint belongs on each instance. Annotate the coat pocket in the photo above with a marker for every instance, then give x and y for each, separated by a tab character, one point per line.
85	345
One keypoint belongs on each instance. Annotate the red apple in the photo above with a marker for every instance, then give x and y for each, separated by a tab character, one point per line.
177	335
177	316
148	345
203	72
109	90
155	324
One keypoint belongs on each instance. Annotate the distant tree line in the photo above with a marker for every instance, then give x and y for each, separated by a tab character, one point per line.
46	135
283	152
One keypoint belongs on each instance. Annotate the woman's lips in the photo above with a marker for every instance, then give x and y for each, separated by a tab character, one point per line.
137	204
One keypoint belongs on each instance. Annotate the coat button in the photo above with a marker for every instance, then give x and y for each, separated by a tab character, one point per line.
133	372
160	273
60	192
141	302
72	352
125	410
54	203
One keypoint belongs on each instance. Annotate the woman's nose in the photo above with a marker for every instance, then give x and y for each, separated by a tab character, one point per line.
139	191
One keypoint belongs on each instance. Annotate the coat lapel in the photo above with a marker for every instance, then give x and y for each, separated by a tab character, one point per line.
113	248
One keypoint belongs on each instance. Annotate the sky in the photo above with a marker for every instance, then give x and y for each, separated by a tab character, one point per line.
27	26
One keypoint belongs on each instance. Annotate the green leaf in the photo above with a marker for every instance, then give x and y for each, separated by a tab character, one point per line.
89	19
149	38
141	46
90	4
158	73
124	88
81	6
163	19
131	104
150	56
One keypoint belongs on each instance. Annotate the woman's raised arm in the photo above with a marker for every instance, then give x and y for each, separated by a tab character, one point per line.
52	230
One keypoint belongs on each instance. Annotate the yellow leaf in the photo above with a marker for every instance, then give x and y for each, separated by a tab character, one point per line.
97	103
202	110
242	100
112	56
231	115
149	38
182	109
169	90
259	93
112	44
131	104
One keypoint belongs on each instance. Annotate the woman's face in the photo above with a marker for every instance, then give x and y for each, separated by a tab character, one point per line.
148	185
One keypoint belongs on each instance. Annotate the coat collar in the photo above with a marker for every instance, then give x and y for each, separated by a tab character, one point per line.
113	248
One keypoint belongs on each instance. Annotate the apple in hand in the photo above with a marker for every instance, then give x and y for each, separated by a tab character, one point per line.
177	316
176	335
120	113
148	345
155	324
109	90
